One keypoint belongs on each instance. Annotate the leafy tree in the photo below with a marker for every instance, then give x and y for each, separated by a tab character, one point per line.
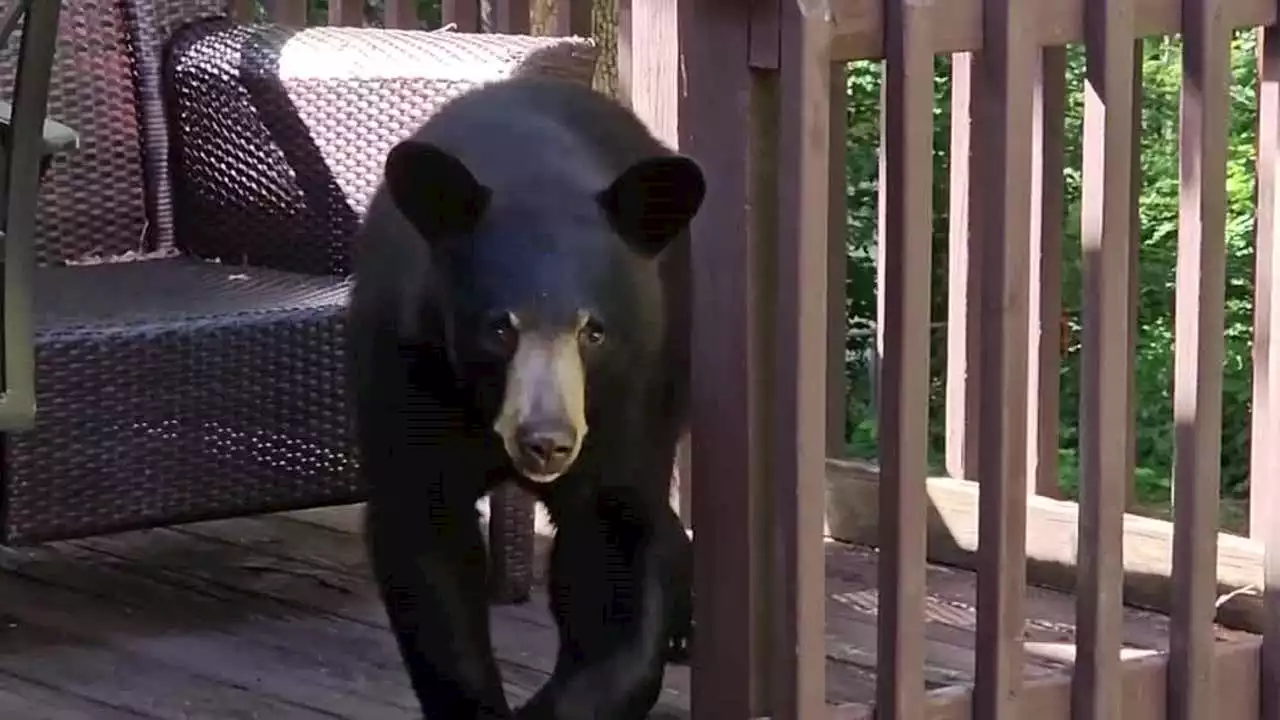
1158	210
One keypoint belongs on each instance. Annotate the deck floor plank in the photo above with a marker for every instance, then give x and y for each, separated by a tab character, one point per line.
274	617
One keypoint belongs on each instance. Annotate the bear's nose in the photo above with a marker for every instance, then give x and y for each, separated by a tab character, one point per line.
546	447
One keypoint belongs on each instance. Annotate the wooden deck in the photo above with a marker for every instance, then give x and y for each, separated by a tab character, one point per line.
273	617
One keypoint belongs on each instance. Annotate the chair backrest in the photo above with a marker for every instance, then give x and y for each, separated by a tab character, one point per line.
113	198
94	203
278	135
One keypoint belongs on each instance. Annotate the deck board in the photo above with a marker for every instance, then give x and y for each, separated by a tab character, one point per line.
274	617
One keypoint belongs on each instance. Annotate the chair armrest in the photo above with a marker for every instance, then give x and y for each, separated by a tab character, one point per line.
278	135
58	139
29	147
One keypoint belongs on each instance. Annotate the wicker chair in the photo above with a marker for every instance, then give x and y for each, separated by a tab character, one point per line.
193	257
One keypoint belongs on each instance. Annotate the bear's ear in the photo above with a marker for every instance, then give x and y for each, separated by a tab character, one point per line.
654	200
434	190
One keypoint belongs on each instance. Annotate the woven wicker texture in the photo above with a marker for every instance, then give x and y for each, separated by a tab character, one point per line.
279	134
92	202
156	21
175	390
167	390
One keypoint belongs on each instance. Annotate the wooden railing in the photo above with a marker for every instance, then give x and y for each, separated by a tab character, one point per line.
768	126
1004	305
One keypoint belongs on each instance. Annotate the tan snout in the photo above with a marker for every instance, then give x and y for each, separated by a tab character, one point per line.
543	419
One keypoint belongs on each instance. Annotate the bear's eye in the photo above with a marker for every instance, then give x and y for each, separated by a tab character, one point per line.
503	328
592	332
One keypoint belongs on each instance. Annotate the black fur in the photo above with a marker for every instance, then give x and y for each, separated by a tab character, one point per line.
545	197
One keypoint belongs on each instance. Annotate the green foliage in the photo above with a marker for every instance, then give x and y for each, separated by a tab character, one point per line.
1158	208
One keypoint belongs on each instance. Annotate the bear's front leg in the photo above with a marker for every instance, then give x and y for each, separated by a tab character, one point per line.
429	563
618	590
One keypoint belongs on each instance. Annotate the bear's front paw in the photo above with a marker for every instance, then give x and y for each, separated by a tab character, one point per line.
680	646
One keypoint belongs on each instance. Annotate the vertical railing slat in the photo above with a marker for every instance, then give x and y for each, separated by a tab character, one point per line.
401	14
837	265
1105	217
348	13
1045	298
512	16
573	18
877	366
1264	477
1002	161
725	385
799	364
292	13
655	96
465	14
962	299
1198	355
243	11
683	500
906	186
1135	245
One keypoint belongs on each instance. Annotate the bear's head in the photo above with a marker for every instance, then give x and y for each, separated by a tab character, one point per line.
548	291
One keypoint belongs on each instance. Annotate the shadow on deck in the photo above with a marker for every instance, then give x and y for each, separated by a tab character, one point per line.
274	617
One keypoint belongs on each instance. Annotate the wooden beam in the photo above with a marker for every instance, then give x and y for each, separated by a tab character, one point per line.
401	14
1264	482
346	13
963	333
731	563
1044	293
1002	142
905	254
796	373
853	496
465	14
1199	301
1105	419
573	17
1135	248
837	264
511	16
290	13
1143	686
858	25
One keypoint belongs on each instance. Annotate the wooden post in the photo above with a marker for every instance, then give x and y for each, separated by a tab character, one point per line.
798	382
649	36
1105	420
1002	162
685	66
1198	348
962	389
837	266
1045	297
1264	476
906	191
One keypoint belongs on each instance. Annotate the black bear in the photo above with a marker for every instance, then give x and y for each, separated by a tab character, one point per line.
521	312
